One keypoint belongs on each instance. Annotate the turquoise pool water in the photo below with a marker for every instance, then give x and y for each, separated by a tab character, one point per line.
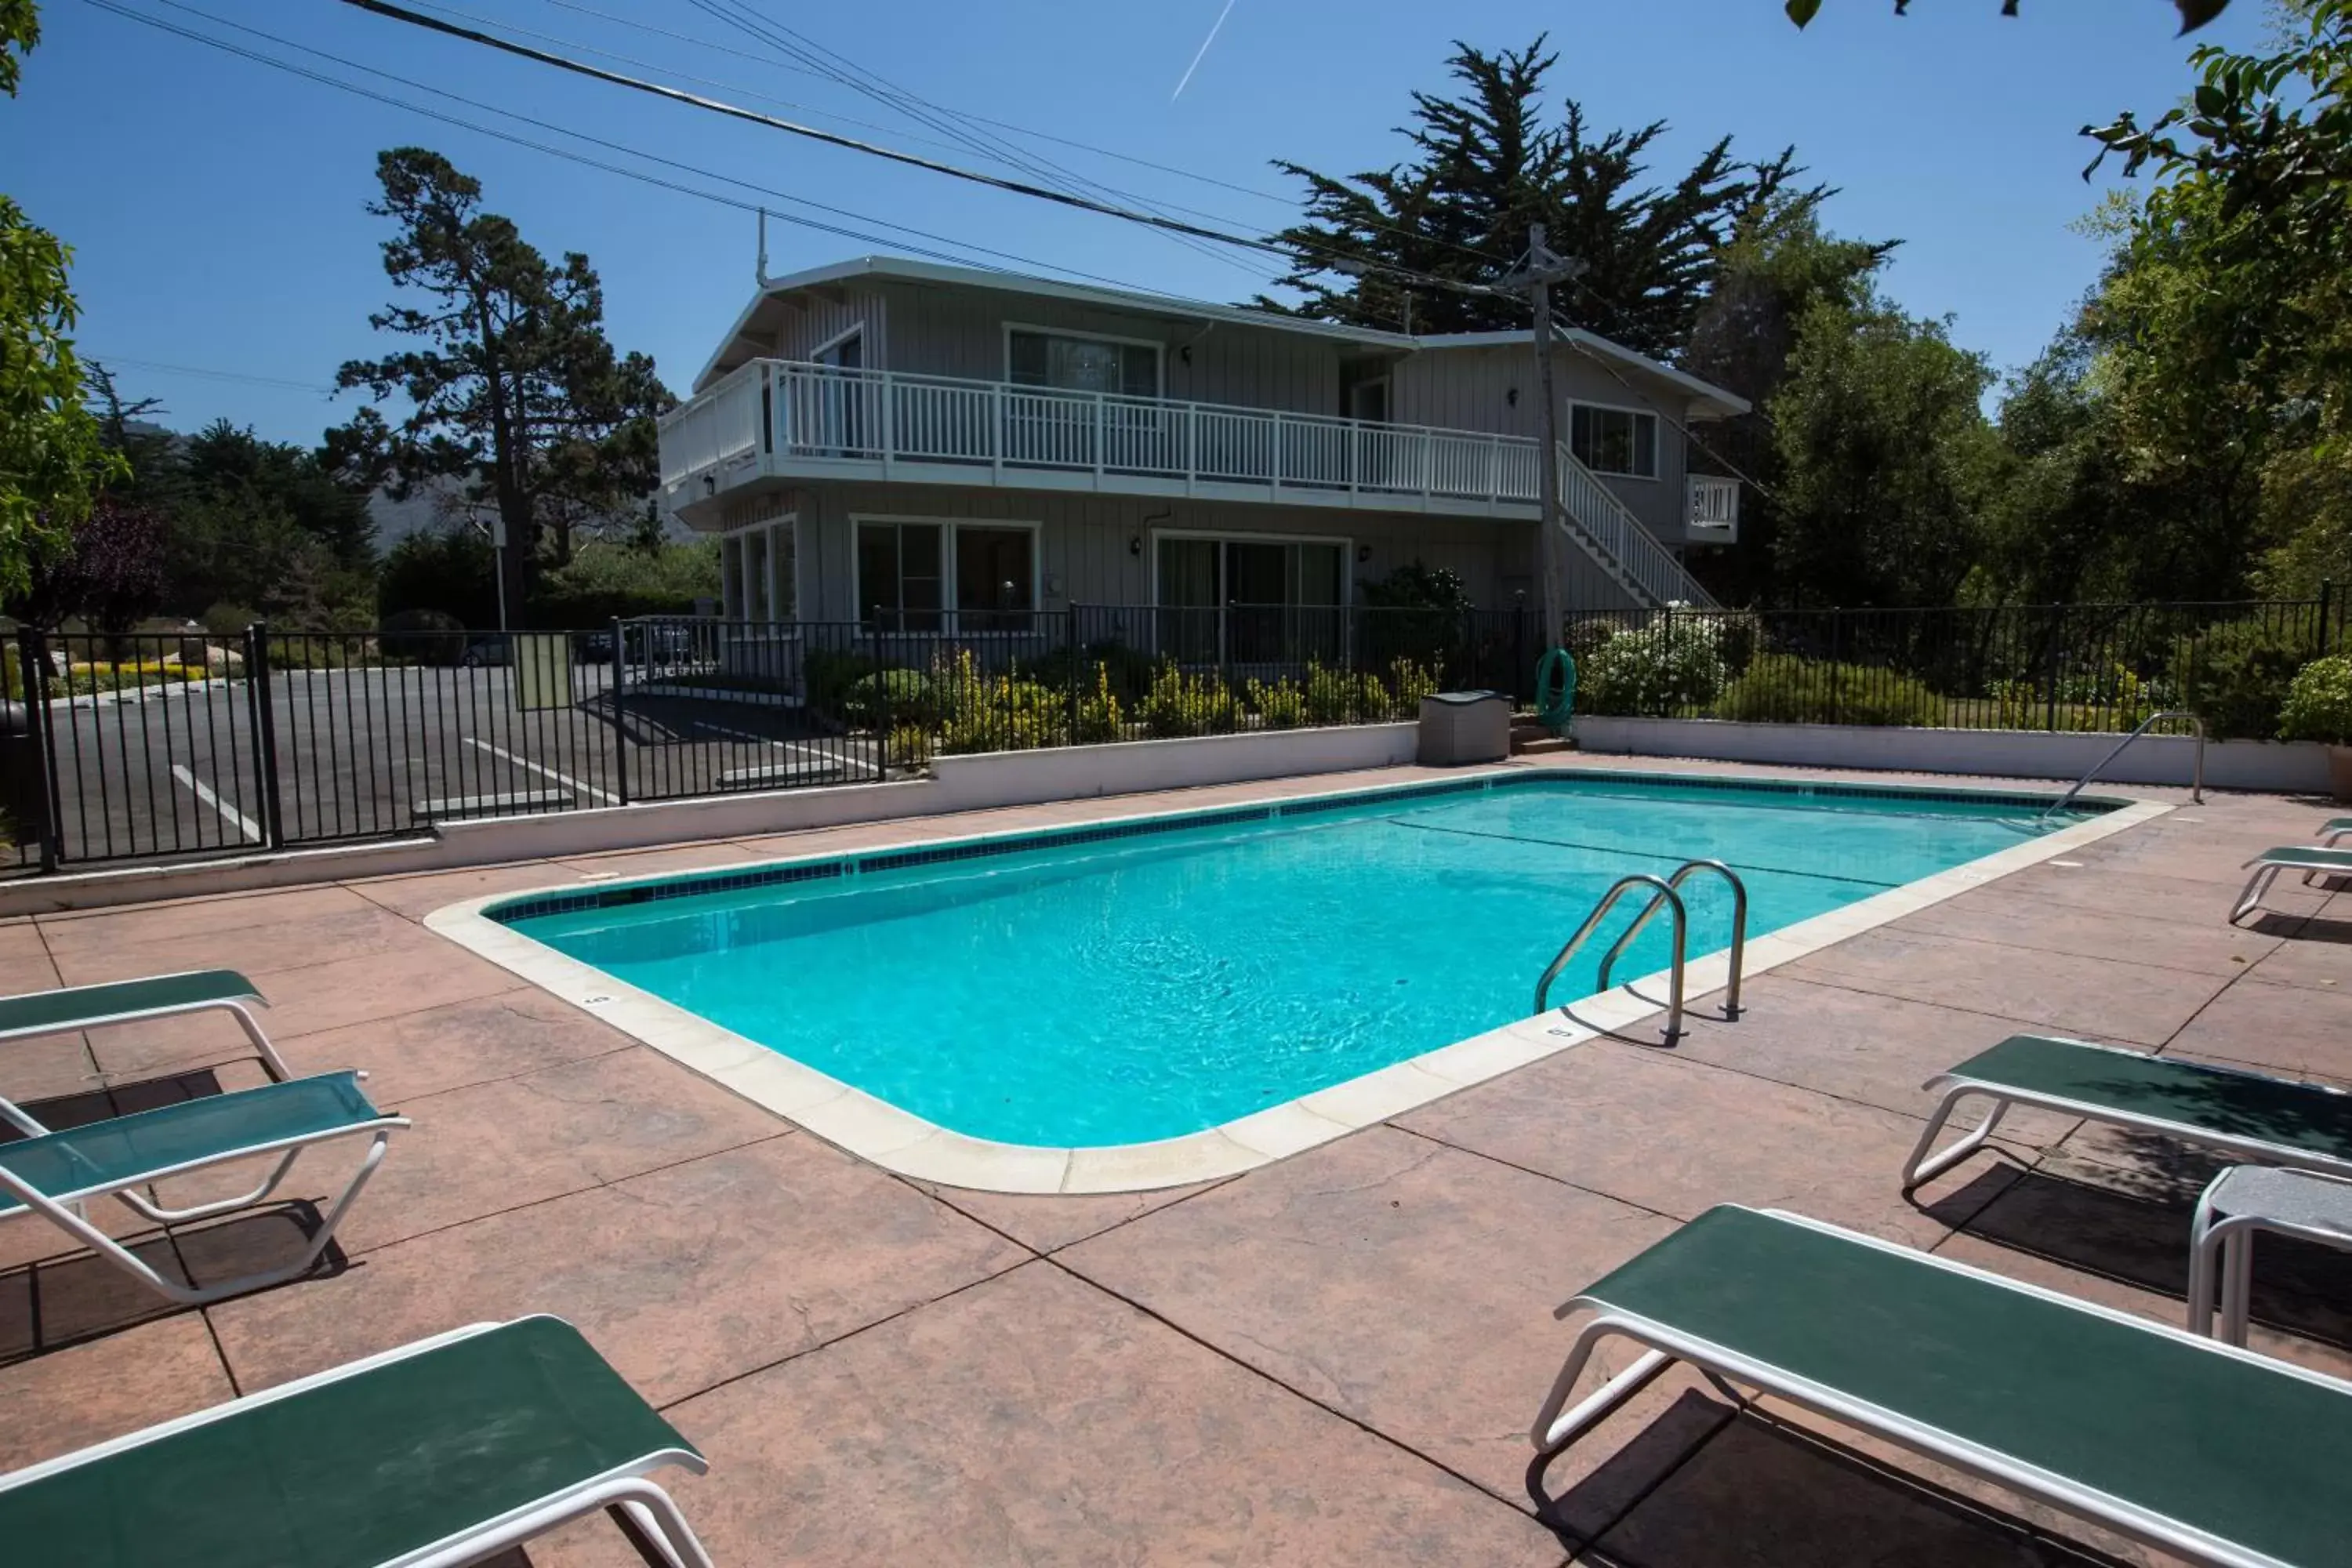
1153	984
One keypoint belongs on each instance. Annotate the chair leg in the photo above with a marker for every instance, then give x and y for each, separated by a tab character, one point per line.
319	1242
1921	1167
274	1064
1556	1426
161	1216
2251	898
652	1524
2202	1245
2237	1284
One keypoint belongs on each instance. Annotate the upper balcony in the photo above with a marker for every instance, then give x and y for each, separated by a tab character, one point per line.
782	419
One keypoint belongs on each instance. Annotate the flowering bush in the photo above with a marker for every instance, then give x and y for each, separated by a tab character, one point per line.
1180	704
1672	664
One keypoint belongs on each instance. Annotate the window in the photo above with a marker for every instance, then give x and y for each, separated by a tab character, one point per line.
1254	600
1613	440
942	576
757	572
1082	364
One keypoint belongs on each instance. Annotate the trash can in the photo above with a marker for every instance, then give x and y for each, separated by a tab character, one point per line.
1464	727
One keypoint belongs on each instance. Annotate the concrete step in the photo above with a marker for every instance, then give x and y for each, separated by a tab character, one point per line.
1541	746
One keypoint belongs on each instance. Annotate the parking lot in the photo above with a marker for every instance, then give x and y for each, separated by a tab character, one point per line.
378	751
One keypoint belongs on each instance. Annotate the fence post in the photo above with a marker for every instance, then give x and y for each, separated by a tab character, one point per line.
33	664
1070	641
620	721
264	733
1837	650
2057	624
2326	595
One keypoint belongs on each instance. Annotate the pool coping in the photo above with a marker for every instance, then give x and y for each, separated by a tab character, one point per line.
908	1144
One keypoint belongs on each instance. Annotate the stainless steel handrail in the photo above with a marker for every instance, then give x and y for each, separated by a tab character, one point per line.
1738	927
1674	900
2197	770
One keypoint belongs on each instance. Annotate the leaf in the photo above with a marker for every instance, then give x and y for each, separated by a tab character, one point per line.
2210	99
2195	14
1801	11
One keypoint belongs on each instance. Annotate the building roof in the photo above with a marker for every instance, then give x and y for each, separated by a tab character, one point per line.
743	339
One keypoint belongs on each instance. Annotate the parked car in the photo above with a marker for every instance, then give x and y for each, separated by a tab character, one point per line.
484	651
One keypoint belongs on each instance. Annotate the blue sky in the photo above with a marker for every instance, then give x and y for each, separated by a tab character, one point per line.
216	205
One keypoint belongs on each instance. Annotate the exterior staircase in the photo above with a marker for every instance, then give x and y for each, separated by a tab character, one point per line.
1615	538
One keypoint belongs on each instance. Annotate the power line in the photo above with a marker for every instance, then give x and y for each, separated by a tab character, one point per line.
891	154
964	114
575	157
109	361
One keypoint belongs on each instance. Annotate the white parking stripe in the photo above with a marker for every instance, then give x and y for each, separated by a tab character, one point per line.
247	827
564	779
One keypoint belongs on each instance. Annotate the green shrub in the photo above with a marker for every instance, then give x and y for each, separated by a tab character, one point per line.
981	712
1180	704
896	695
1102	717
1668	666
1128	670
1781	688
2318	704
606	580
1281	706
908	746
227	620
1343	697
830	673
2235	678
427	636
1408	684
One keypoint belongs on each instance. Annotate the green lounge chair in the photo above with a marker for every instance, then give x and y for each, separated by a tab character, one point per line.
2271	1121
2331	831
2303	857
2187	1444
443	1452
74	1007
54	1174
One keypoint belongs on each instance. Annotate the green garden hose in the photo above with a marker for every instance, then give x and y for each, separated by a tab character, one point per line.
1556	691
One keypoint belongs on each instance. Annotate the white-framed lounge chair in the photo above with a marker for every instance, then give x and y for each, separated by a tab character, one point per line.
54	1176
2306	858
440	1453
72	1007
2193	1447
2333	831
2270	1120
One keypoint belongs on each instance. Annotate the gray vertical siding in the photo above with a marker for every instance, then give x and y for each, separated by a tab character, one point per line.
1470	389
1085	541
824	317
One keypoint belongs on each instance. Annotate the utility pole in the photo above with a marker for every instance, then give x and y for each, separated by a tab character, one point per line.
1536	276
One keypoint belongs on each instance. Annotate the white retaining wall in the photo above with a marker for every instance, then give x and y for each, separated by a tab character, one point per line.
2276	766
959	784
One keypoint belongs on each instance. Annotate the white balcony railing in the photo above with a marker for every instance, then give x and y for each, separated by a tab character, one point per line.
811	415
1714	505
821	412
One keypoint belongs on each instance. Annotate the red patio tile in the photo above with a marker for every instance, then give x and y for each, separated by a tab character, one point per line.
475	1041
90	1392
2299	1030
1034	1419
682	1277
1367	1274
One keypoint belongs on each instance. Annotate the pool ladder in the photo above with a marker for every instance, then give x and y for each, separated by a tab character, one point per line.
1665	893
2197	768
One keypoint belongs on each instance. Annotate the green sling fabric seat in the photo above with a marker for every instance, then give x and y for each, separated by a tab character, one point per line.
436	1452
2308	858
138	1148
2207	1450
51	1175
117	1001
2275	1122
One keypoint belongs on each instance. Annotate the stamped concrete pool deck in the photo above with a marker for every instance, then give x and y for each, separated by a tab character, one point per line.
1330	1359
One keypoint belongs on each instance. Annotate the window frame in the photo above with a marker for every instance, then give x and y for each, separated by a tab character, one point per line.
854	329
951	610
1347	547
1657	438
738	539
1159	356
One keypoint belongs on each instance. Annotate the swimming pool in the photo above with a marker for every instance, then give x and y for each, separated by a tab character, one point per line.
1137	981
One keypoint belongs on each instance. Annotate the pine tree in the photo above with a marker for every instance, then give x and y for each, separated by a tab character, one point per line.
1484	166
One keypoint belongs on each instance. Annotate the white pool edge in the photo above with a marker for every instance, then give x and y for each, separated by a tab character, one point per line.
901	1142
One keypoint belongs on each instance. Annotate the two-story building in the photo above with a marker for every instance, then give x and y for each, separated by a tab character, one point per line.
922	448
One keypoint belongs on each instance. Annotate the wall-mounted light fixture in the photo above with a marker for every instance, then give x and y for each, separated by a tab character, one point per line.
1135	544
1363	554
1511	396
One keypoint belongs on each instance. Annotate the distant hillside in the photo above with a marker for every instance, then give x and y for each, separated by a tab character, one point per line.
437	504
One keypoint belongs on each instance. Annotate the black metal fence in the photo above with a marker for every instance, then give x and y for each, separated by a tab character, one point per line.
158	745
2101	668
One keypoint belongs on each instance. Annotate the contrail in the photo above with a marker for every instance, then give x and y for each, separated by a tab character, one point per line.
1202	51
